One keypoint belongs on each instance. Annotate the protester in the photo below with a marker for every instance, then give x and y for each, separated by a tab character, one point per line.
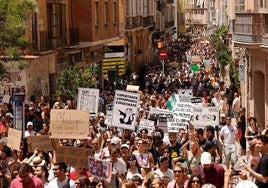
26	178
60	180
210	172
261	172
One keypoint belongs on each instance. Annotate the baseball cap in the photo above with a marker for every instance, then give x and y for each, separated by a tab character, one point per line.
205	158
29	123
125	146
10	115
223	115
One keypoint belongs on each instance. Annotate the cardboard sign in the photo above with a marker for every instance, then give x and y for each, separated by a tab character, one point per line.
42	142
69	124
125	109
203	116
74	156
88	99
14	138
99	168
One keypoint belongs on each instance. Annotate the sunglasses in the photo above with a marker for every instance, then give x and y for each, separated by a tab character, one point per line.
195	181
177	171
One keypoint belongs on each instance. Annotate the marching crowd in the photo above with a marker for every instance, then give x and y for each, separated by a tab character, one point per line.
192	158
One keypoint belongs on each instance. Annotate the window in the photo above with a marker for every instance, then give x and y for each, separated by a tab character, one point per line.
115	12
57	24
106	13
239	5
263	4
150	8
139	7
97	13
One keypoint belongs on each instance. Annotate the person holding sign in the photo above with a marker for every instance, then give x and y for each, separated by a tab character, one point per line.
144	157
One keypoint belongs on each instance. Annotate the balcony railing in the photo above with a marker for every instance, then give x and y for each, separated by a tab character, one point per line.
133	22
248	28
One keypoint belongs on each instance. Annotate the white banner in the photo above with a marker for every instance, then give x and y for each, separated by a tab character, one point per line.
185	95
175	126
203	116
125	109
183	111
147	124
88	99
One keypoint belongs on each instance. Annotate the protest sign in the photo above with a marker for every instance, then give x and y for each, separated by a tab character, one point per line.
185	95
143	160
125	109
183	110
88	99
176	125
109	113
69	124
147	124
14	138
42	142
203	116
99	168
74	156
132	88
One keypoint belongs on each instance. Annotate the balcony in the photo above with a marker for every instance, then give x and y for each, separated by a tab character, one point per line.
248	28
148	21
133	22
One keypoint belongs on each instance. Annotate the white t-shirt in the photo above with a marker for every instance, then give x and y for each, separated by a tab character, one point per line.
120	166
27	134
57	184
228	133
167	174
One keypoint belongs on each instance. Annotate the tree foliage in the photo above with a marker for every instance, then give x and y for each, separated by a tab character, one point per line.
13	15
71	79
224	55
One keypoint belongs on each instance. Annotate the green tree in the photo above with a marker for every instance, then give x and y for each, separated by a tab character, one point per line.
71	79
13	14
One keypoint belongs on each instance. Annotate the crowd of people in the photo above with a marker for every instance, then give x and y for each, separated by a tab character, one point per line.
193	157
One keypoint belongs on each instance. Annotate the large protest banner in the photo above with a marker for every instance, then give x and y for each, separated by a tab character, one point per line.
173	127
69	124
88	99
74	156
203	116
99	168
14	138
42	142
125	109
